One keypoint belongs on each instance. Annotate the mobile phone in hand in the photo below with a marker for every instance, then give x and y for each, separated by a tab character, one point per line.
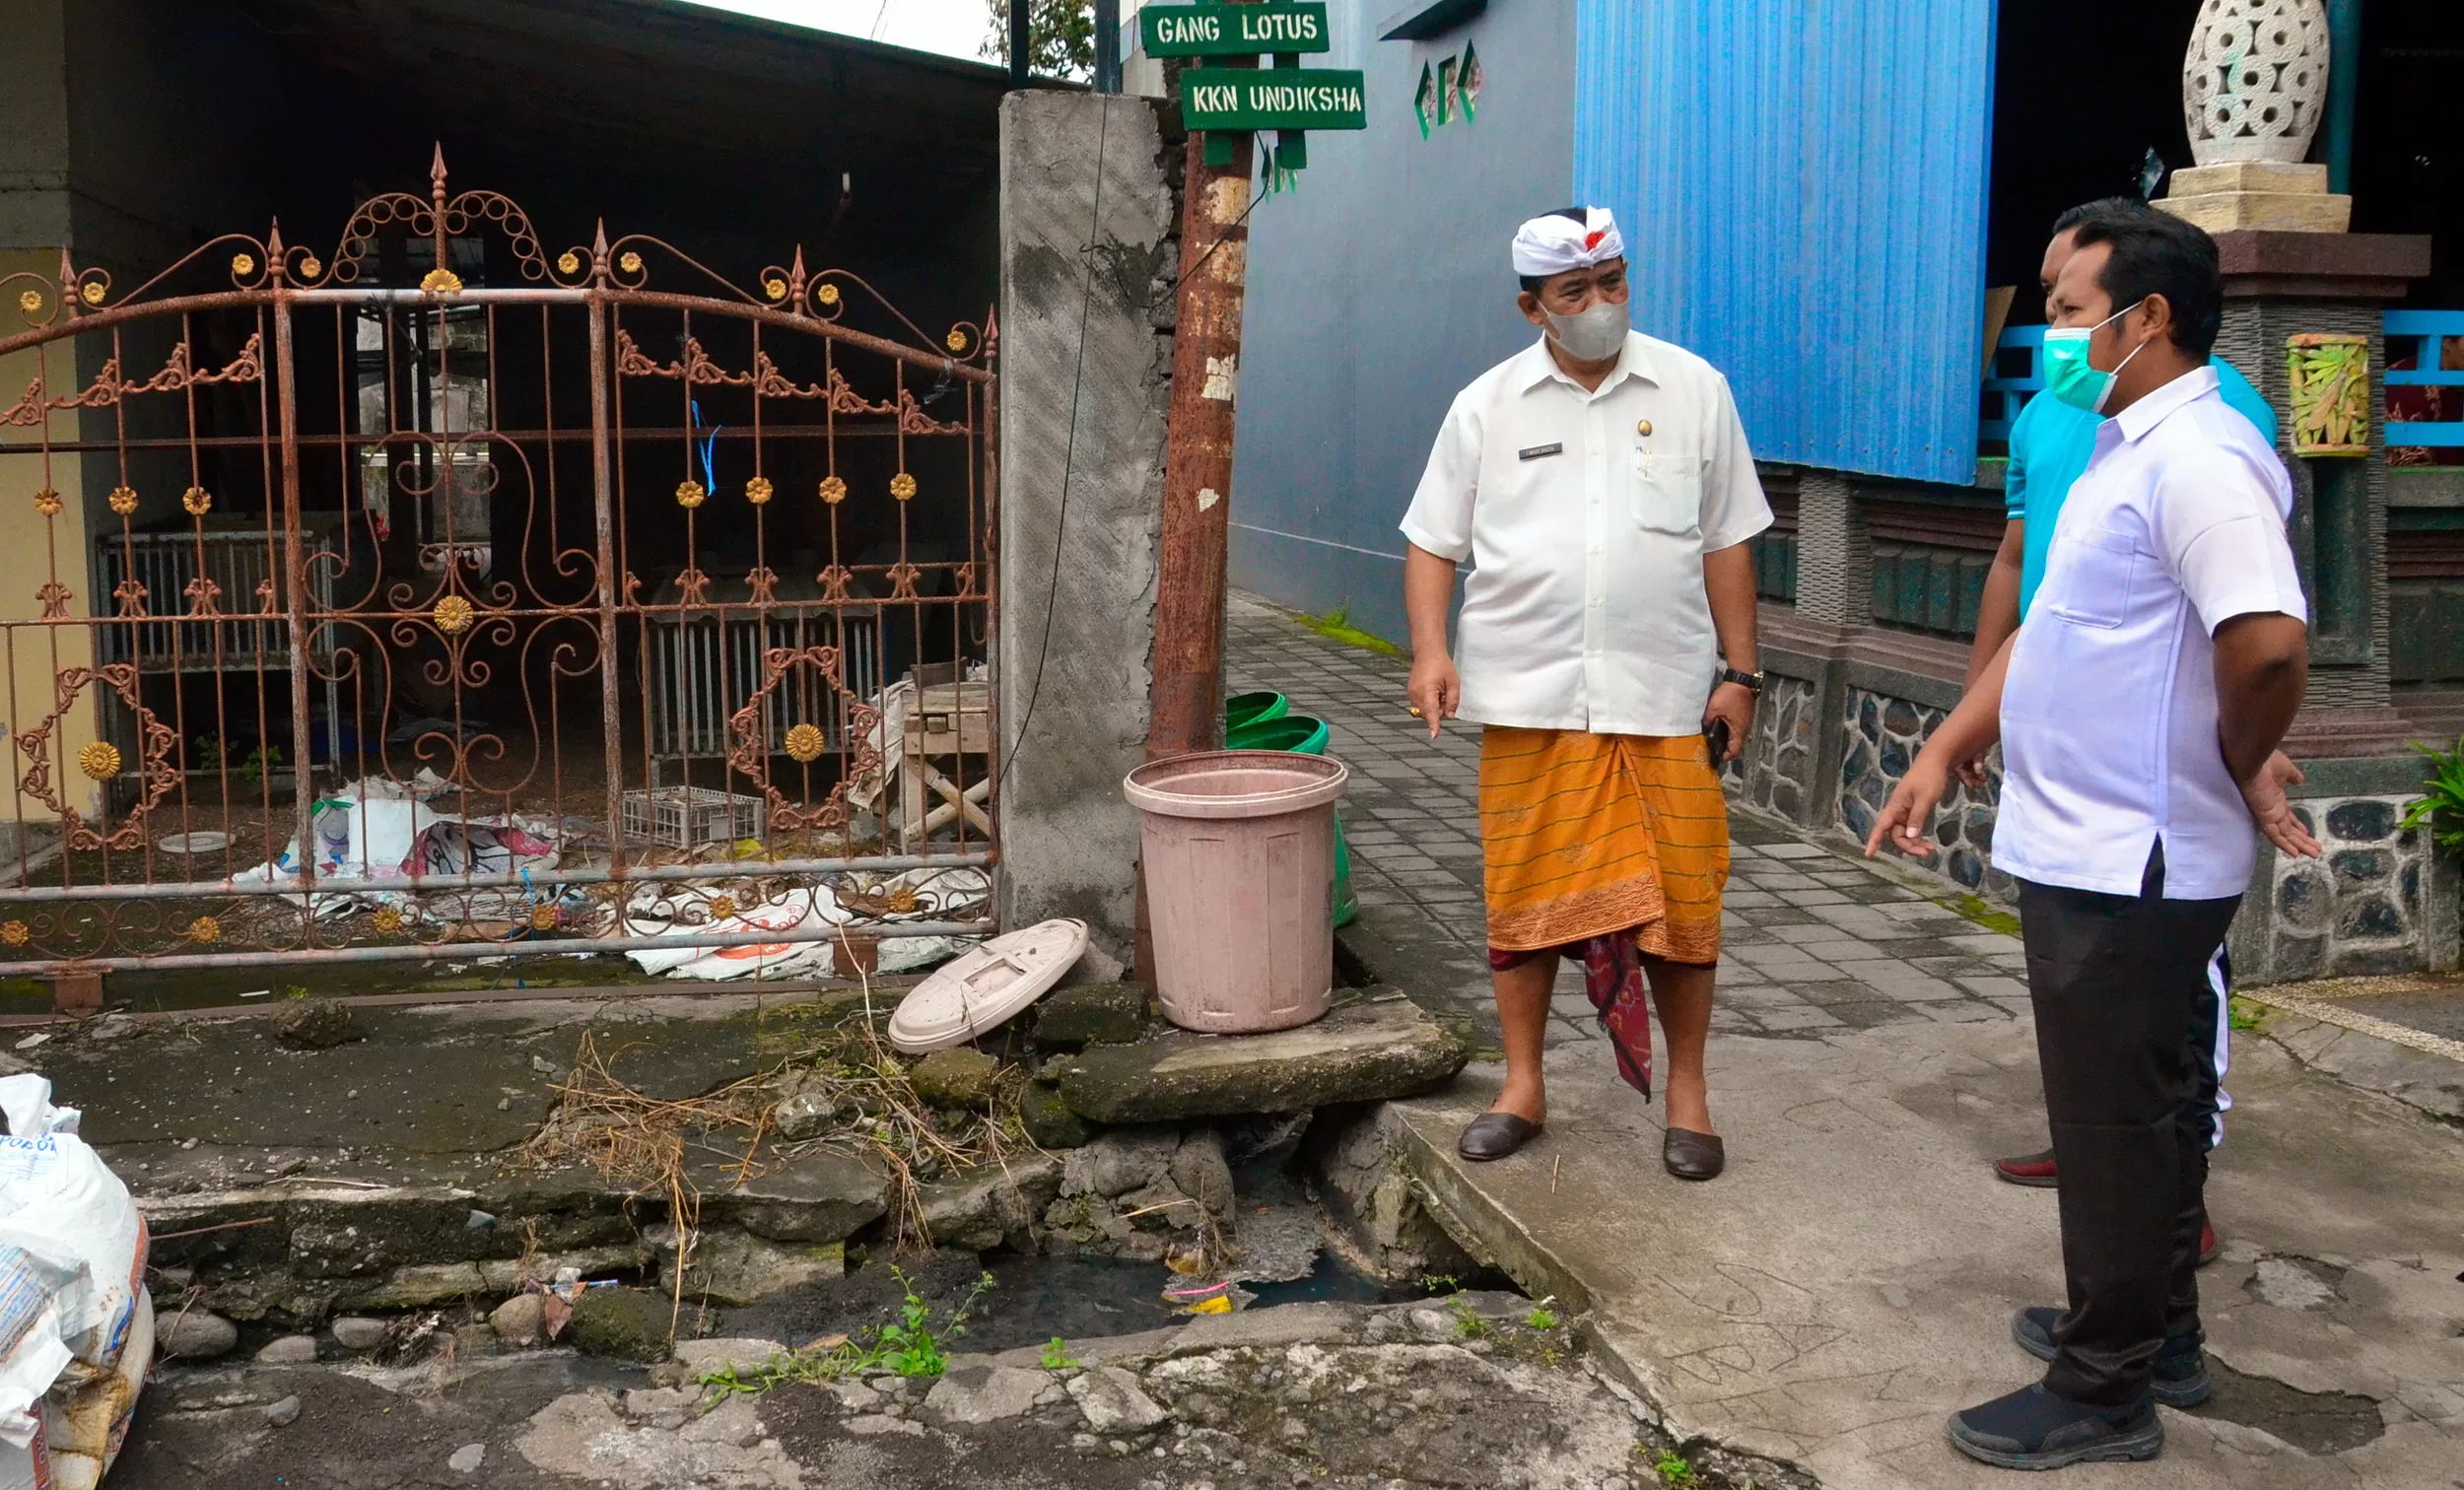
1715	734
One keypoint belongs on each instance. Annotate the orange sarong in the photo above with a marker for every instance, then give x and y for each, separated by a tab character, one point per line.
1590	835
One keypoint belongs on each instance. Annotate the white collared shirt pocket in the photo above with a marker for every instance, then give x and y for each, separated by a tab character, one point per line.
1665	491
2093	584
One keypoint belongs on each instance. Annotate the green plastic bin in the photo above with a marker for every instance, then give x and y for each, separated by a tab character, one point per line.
1301	734
1245	709
1298	733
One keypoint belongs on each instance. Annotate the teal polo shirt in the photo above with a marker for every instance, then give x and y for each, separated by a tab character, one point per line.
2050	442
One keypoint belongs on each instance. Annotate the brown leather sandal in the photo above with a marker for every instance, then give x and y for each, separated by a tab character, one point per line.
1494	1135
1692	1156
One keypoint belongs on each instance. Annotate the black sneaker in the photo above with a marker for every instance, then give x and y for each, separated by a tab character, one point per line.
2182	1367
2033	1429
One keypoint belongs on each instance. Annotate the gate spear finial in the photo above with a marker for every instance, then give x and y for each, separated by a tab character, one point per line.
274	252
436	198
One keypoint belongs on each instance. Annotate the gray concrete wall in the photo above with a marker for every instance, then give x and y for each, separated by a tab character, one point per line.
34	125
1088	259
1377	288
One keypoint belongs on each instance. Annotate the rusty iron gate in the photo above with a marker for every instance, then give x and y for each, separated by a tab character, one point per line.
633	617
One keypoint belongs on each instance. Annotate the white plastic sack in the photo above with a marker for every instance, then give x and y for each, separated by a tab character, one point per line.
73	1305
788	913
378	828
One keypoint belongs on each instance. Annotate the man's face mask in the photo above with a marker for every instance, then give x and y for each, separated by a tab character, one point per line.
2069	376
1592	334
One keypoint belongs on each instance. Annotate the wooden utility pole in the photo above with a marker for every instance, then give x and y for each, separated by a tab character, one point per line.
1198	449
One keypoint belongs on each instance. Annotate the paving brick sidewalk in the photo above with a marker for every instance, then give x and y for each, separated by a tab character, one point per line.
1815	941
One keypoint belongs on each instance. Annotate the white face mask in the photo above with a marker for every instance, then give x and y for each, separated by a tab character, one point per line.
1595	334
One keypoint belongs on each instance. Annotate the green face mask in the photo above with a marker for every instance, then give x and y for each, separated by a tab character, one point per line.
2068	376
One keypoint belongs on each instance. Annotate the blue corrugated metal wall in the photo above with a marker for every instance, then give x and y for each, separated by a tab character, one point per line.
1802	188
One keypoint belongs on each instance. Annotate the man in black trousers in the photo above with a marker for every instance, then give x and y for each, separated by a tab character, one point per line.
2139	710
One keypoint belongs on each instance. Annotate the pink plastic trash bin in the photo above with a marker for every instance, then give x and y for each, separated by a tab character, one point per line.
1239	852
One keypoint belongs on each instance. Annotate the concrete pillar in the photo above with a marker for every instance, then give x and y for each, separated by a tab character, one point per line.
1087	269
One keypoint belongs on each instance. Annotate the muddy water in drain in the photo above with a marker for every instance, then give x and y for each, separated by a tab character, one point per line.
1033	1299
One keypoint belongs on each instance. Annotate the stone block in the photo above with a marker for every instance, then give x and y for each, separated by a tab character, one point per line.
731	1267
1117	1163
2262	211
521	1319
1049	1120
625	1324
2249	175
741	1355
1367	1051
955	1078
193	1334
1111	1013
813	1198
1112	1401
979	1210
1200	1171
979	1395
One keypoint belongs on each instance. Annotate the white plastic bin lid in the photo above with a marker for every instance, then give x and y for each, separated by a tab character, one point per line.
975	992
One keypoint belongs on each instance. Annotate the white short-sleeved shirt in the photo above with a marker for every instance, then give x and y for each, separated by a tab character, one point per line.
2109	713
1585	516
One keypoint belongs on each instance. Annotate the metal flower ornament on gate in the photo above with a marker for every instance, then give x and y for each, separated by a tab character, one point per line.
400	601
805	740
100	761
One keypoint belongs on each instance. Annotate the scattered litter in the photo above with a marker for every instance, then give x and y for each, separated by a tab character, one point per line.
375	826
31	1040
75	1325
258	993
1225	1297
205	841
663	909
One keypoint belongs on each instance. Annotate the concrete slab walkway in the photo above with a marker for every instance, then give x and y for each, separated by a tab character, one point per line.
1849	1282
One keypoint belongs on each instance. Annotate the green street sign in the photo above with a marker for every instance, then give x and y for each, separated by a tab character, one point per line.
1284	27
1272	98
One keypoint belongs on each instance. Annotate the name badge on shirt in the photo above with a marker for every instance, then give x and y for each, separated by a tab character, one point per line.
1534	452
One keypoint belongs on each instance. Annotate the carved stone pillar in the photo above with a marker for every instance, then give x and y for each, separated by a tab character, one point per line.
2283	285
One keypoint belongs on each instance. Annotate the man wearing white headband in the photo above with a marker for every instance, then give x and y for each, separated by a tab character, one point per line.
1599	482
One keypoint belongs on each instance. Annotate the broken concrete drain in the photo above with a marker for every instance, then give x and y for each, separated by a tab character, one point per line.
2314	1422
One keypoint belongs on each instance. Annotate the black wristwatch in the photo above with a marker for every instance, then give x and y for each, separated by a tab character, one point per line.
1752	682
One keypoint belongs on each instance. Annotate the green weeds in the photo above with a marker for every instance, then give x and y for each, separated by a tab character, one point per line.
1672	1468
1469	1325
1336	626
912	1346
1984	912
1056	1356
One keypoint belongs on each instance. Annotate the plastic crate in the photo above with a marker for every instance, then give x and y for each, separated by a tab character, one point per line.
685	817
